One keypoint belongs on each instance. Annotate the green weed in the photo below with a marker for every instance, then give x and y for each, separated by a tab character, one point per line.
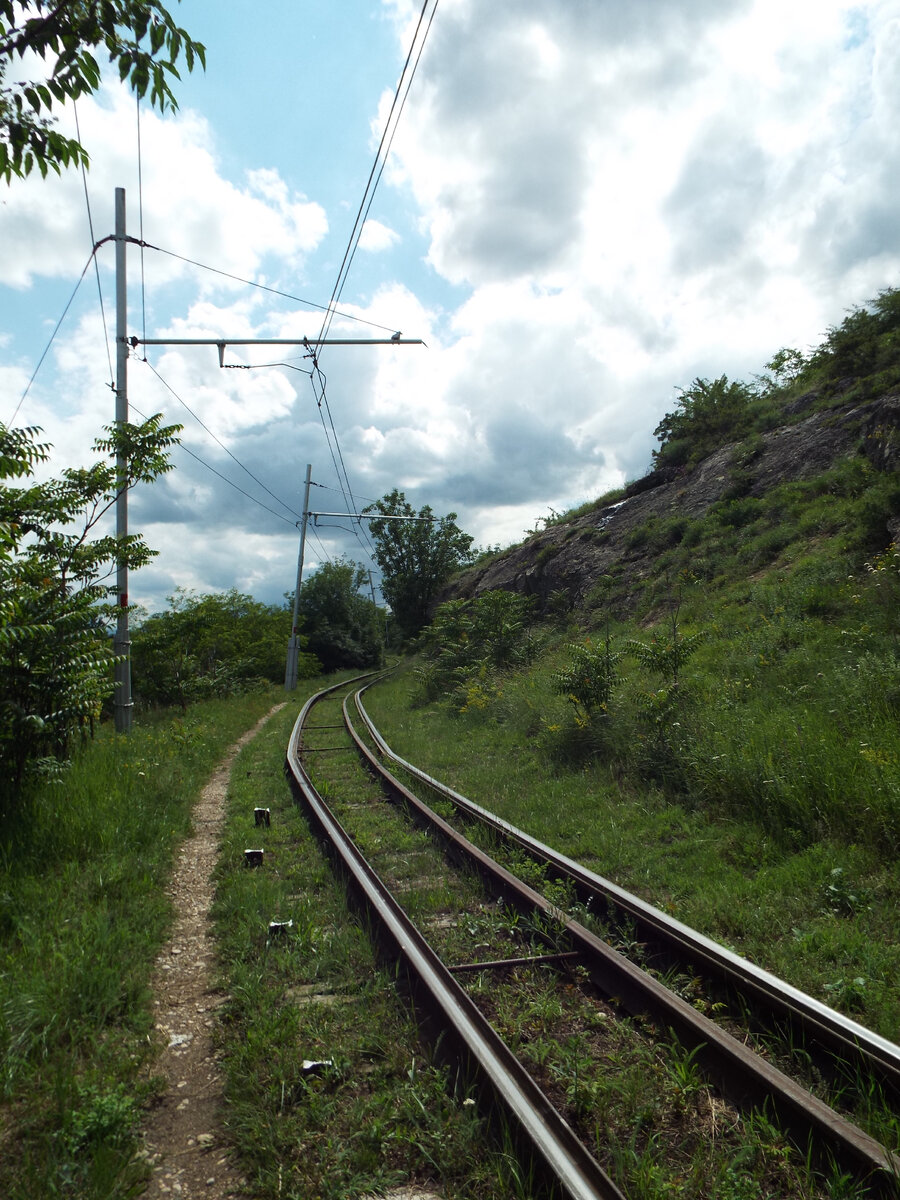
82	915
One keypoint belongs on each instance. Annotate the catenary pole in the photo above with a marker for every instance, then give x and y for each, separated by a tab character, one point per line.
122	641
290	672
293	654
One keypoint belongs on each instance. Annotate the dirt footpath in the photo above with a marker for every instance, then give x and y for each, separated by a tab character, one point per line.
182	1135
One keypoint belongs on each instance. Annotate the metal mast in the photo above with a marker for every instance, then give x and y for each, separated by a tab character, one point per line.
290	672
122	642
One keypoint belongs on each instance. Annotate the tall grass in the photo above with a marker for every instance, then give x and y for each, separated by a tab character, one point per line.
739	795
83	912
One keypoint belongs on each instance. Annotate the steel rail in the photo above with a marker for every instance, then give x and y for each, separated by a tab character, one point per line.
553	1143
741	1074
818	1023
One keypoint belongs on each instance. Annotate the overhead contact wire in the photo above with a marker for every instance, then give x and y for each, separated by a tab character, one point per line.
232	456
400	94
87	203
141	218
357	224
390	142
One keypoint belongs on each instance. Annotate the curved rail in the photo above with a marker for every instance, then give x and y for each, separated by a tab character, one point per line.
741	1073
839	1034
552	1142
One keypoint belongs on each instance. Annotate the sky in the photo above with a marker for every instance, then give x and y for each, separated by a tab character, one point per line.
586	205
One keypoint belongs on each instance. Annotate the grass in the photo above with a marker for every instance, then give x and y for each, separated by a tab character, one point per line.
758	799
82	914
379	1112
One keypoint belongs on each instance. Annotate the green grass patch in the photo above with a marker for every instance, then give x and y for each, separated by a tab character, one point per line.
376	1112
83	866
738	795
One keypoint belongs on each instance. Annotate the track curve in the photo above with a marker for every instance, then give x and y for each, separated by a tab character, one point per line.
740	1073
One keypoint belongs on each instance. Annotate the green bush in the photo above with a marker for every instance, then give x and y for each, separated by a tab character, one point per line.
469	641
221	644
588	680
56	608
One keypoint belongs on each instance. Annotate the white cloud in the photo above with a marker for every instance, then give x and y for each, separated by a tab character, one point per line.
185	205
595	203
375	236
686	187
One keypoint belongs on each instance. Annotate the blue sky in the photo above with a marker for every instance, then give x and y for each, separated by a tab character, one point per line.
587	205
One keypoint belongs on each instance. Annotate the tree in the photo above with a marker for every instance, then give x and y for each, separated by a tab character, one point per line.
139	37
786	365
709	413
211	645
865	343
55	590
415	557
342	626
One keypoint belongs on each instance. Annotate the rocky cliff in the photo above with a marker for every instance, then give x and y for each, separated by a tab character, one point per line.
569	557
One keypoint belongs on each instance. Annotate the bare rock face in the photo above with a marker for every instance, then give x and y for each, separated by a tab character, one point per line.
881	433
574	556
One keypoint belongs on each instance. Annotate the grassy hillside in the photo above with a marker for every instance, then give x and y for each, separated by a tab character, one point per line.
720	732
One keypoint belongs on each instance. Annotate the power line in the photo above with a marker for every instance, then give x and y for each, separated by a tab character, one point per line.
87	201
312	532
225	478
232	456
52	338
263	287
390	140
356	231
370	499
360	533
384	145
259	366
324	407
141	216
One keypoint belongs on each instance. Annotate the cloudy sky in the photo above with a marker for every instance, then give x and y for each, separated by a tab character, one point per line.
586	205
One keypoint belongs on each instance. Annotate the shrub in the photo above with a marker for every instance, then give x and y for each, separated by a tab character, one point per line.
708	414
56	655
469	638
588	680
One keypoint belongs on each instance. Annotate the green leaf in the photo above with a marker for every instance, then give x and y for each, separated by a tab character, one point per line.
157	37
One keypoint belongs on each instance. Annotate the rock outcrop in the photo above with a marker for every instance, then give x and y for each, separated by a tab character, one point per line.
572	556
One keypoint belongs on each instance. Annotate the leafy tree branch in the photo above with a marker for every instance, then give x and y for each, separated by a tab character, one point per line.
55	651
139	37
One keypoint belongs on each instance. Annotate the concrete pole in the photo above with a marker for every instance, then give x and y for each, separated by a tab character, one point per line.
122	642
293	654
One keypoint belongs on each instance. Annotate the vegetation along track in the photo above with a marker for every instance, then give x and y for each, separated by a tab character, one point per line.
577	956
844	1049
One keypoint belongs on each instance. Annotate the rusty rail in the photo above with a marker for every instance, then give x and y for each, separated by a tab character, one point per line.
556	1150
742	1074
818	1024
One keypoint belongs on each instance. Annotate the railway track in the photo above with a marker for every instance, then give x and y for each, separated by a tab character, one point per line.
576	953
844	1046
